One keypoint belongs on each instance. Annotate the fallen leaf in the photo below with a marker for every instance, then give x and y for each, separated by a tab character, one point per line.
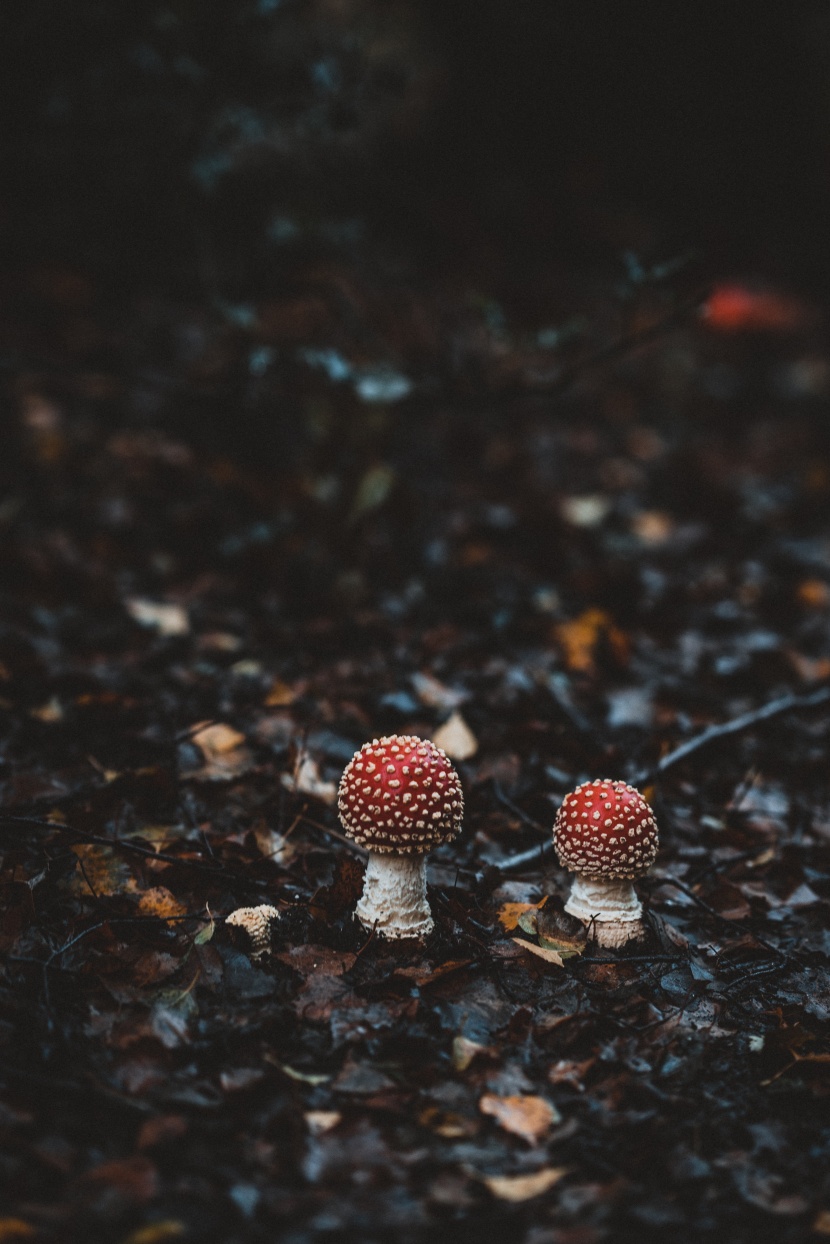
217	739
101	870
157	1232
821	1224
579	638
280	695
528	1117
447	1123
436	694
50	713
224	751
306	780
464	1051
158	901
542	952
456	738
508	914
524	1187
320	1121
728	902
169	620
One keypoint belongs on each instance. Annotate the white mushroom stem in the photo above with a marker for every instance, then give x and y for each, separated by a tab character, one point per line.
394	899
609	907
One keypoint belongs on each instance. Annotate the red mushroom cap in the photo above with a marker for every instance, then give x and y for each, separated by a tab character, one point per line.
605	829
400	793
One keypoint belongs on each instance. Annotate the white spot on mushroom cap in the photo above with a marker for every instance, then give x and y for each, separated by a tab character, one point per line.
580	831
391	757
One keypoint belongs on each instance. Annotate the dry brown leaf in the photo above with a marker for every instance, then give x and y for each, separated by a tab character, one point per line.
821	1224
464	1051
542	952
306	780
280	695
217	739
456	738
224	751
524	1187
526	1116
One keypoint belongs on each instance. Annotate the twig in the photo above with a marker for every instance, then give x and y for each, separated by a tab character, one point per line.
784	704
775	708
118	844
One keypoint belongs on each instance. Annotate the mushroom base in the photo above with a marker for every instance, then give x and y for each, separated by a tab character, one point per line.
394	900
609	907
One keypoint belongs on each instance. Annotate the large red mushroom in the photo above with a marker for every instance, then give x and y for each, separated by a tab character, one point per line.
399	796
605	832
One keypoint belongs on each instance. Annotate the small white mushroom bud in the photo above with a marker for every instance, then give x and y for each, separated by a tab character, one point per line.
256	922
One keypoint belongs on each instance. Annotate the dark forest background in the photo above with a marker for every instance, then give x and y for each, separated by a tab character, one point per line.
158	142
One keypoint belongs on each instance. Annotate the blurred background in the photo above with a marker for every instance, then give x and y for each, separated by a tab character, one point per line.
182	144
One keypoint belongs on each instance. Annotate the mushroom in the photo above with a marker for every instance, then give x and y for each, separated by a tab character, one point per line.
399	796
605	832
256	923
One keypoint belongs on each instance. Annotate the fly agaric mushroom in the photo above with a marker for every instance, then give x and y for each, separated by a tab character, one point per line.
605	832
256	923
399	796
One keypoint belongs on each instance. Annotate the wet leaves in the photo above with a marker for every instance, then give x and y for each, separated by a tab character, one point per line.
531	1118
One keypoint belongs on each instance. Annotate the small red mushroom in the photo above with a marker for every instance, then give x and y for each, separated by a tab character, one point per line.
399	796
605	832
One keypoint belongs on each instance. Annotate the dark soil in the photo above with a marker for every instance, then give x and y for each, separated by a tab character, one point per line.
252	516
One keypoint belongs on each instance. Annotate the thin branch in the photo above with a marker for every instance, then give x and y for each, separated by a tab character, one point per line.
784	704
774	708
134	848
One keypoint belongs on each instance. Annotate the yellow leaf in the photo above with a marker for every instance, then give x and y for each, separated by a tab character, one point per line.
821	1224
524	1187
156	1232
528	1117
578	639
542	952
279	695
509	913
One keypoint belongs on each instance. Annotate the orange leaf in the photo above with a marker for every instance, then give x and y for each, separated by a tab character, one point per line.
158	901
578	639
509	913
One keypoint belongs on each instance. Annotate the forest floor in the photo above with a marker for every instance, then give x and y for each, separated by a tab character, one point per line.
233	547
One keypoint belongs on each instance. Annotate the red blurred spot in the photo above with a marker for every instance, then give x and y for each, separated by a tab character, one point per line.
736	309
